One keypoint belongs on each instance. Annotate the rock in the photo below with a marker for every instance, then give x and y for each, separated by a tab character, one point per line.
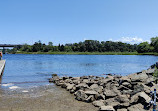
109	93
94	86
51	80
127	84
121	88
80	95
157	65
91	92
68	81
89	83
146	89
64	78
106	80
64	85
134	99
150	71
84	77
98	103
107	108
100	96
123	100
76	82
85	80
128	92
122	109
54	79
133	77
97	88
112	102
76	78
82	86
90	98
59	83
124	79
137	88
110	77
72	91
53	75
153	66
141	77
144	97
69	86
137	107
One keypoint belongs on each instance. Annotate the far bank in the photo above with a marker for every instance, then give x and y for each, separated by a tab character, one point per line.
90	53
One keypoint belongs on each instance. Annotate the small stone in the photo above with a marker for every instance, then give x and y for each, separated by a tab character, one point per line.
53	75
91	92
121	109
107	108
90	99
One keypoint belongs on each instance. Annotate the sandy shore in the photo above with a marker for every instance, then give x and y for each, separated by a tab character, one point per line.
50	98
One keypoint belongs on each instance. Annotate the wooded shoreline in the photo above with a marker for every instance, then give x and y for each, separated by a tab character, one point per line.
90	53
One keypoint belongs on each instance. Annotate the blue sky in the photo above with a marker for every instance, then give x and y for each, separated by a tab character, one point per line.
69	21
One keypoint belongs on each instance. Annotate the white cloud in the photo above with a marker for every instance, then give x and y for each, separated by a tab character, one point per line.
131	40
85	39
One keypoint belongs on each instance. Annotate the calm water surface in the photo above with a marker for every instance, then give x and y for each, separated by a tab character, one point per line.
34	70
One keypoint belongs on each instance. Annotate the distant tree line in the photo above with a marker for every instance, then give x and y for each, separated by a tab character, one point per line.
86	46
92	46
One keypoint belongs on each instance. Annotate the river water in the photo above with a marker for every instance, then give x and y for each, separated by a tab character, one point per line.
34	70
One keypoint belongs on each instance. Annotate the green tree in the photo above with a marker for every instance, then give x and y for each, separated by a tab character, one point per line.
50	43
154	43
144	47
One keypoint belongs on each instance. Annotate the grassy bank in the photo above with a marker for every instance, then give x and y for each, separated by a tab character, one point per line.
90	53
82	53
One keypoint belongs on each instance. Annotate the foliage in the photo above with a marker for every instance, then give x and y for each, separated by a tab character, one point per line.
155	74
154	43
93	46
144	47
86	46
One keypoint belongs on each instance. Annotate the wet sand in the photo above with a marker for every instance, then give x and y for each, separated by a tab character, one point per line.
50	98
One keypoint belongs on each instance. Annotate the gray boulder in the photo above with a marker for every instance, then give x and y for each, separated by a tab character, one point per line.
127	84
70	86
82	86
85	80
141	77
91	92
150	71
98	103
137	107
144	97
134	99
112	102
109	93
80	95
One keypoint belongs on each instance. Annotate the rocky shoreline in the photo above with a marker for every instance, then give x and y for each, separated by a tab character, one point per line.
112	93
